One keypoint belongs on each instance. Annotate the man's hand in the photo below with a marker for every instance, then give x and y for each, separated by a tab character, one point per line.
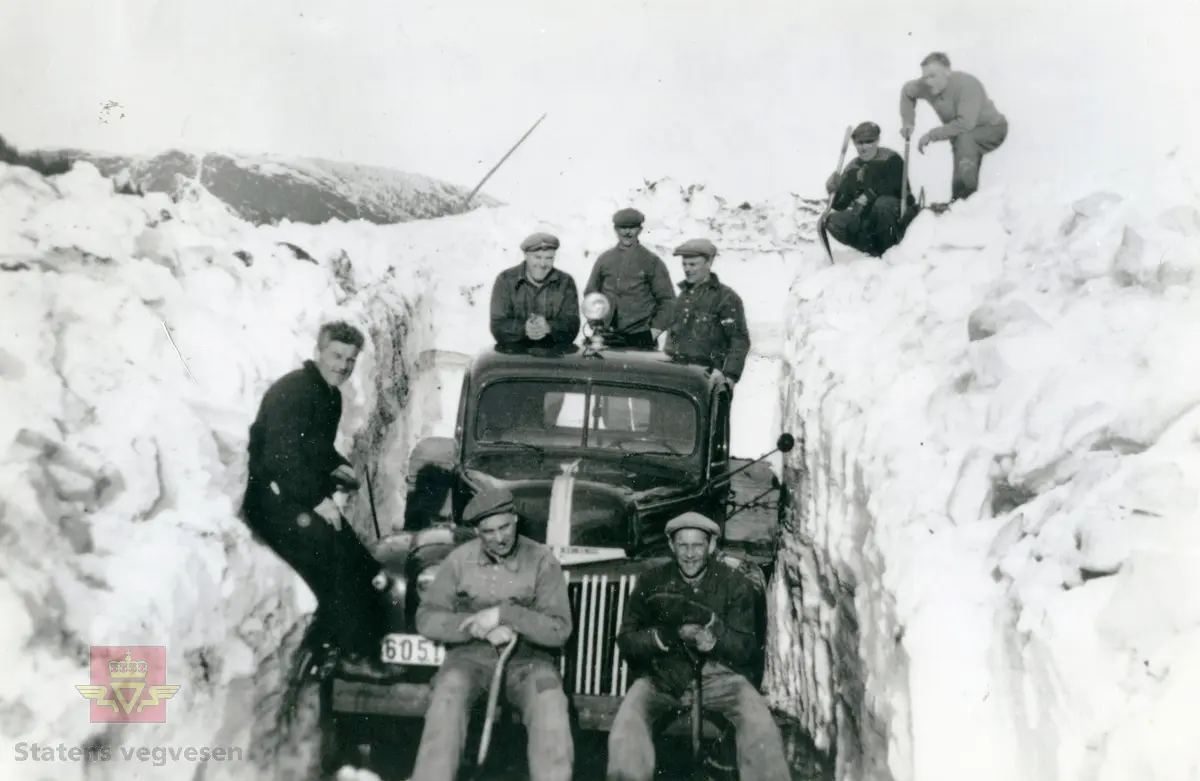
345	474
536	327
328	510
924	142
697	636
906	132
481	623
831	184
500	635
861	200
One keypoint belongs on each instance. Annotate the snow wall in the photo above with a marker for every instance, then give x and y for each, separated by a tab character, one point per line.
984	571
992	566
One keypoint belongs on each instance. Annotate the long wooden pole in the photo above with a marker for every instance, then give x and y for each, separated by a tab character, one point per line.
467	200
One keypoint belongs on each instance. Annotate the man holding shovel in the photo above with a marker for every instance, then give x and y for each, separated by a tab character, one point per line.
688	635
872	203
497	588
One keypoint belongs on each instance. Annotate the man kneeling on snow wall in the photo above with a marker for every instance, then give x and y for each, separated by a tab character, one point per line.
865	213
294	472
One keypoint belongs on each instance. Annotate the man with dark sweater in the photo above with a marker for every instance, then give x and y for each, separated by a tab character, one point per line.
294	472
865	212
636	283
533	303
708	321
971	122
693	610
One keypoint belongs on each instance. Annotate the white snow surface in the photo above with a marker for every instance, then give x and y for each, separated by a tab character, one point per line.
137	349
1040	340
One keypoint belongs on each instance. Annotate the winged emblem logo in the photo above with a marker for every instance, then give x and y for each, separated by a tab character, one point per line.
128	689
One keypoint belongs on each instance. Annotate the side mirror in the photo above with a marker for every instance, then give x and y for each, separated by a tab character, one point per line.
785	442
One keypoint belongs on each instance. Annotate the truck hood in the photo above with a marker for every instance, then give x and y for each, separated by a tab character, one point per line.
604	497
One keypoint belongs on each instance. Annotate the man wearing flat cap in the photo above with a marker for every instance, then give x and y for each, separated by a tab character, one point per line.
487	590
533	303
637	284
694	610
865	213
708	322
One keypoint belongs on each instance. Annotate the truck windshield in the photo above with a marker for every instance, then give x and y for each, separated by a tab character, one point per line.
591	415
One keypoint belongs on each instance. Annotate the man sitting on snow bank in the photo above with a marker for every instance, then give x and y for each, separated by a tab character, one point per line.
693	610
534	303
294	472
972	124
708	322
865	213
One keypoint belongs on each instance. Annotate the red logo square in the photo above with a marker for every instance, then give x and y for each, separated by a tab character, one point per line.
128	684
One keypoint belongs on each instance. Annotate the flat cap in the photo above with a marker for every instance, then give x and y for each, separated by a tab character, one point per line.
694	247
867	131
537	241
691	520
492	500
628	218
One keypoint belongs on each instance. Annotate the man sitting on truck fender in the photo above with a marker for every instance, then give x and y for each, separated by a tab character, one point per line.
487	589
700	603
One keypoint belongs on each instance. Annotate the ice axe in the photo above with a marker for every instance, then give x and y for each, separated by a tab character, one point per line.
904	183
493	699
829	206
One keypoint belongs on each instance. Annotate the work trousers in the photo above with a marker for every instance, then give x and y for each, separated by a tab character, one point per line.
532	685
969	149
336	566
872	230
760	755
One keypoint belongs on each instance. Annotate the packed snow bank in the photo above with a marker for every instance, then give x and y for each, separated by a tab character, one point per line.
141	334
993	565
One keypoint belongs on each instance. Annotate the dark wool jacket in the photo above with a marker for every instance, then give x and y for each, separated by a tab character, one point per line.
515	298
881	175
292	443
708	327
638	284
652	620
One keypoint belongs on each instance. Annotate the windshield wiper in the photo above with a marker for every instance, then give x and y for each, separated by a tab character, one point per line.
500	443
648	453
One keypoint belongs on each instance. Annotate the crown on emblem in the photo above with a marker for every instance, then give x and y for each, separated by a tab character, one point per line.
130	668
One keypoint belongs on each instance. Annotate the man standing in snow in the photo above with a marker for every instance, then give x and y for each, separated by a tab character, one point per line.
489	590
637	284
294	472
534	303
693	611
708	323
865	212
971	121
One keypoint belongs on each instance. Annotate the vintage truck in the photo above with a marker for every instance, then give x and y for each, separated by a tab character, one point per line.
600	448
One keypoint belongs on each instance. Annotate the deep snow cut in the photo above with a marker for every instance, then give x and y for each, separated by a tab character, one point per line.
143	332
992	566
985	572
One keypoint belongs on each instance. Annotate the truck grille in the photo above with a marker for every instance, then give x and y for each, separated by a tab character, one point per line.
591	661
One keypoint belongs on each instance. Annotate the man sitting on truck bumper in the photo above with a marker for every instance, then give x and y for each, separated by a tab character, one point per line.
699	603
497	585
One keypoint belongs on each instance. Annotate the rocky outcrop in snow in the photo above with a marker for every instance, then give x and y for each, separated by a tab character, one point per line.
990	571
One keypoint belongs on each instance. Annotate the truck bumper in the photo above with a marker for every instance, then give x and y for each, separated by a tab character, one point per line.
411	700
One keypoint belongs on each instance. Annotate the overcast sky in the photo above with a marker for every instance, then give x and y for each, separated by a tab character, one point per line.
749	96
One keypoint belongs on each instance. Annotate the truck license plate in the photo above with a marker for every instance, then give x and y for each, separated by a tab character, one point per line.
412	649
